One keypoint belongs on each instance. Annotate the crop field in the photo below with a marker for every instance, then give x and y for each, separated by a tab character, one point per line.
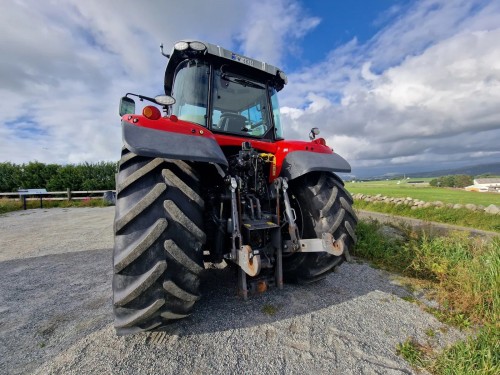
423	192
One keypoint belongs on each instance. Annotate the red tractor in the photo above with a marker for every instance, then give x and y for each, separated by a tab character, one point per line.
212	179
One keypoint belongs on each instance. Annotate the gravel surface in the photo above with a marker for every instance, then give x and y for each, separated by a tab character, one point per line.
56	315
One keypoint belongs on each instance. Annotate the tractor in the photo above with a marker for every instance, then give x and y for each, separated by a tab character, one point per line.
205	176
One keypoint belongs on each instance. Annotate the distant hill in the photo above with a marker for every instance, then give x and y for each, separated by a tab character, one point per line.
473	170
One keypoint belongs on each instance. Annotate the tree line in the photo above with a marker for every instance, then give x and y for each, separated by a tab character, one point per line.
456	181
55	177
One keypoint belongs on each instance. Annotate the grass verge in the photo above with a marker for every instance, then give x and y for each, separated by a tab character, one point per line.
9	205
464	274
461	216
428	193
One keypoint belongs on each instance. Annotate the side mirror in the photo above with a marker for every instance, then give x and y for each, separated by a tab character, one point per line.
127	106
314	132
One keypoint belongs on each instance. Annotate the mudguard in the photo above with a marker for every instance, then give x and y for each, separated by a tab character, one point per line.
298	163
171	145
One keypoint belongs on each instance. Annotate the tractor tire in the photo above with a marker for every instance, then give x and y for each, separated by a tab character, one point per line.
322	205
159	235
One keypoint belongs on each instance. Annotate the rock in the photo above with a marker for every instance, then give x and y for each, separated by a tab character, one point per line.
438	204
492	209
427	204
392	233
414	207
457	206
471	206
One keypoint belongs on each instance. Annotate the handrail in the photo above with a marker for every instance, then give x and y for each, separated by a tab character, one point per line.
69	194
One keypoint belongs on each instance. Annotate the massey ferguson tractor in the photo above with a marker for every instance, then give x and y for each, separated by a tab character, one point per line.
210	178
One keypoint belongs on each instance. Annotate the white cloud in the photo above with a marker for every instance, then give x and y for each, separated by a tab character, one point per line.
272	27
65	65
423	91
434	97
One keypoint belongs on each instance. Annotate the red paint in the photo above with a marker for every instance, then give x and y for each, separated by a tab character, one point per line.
280	149
169	125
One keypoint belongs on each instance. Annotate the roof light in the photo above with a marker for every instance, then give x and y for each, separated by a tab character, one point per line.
164	100
197	46
181	46
151	112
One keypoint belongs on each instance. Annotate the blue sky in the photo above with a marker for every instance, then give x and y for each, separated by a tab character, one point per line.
340	22
394	86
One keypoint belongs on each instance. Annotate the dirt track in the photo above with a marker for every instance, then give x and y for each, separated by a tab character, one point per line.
56	316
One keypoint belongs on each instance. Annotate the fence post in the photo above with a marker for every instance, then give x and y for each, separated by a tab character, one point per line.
69	194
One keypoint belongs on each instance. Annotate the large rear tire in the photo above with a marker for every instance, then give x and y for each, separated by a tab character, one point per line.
324	206
159	235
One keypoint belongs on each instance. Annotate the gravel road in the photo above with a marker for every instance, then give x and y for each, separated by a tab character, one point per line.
56	315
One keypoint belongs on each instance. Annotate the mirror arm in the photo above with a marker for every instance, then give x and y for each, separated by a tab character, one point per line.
141	97
163	53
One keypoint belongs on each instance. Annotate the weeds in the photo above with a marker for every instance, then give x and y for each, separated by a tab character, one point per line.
412	352
269	310
464	273
475	355
430	332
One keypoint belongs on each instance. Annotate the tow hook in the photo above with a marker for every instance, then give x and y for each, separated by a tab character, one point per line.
248	261
314	245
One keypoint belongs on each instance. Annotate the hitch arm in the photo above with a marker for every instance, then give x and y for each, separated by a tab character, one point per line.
292	226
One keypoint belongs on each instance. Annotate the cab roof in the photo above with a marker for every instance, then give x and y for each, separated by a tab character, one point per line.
217	55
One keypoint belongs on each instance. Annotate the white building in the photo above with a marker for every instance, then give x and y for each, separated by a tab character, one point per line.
485	184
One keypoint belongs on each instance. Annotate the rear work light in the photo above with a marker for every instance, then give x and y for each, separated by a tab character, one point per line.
194	46
197	46
151	112
181	46
320	141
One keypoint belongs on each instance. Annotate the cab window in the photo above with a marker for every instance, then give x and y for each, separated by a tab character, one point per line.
240	106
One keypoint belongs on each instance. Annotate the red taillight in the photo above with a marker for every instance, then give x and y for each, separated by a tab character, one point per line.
320	141
151	112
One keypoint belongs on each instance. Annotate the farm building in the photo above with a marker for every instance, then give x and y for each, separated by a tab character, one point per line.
485	184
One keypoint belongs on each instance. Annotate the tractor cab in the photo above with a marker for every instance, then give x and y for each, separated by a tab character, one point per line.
224	92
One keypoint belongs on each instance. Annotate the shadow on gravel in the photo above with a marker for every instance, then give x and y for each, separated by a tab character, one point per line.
220	309
50	302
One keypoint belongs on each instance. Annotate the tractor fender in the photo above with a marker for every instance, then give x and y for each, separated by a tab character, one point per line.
151	142
298	163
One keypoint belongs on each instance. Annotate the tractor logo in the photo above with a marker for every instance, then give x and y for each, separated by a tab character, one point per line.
241	59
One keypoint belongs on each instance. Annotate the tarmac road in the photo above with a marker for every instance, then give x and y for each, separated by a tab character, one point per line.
56	314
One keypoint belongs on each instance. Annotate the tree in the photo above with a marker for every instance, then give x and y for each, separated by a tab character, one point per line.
9	177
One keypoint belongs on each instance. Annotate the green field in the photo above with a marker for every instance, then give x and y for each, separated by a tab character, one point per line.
391	188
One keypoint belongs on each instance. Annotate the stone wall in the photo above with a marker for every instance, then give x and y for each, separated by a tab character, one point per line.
415	204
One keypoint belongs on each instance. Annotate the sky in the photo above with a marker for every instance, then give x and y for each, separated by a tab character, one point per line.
394	86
